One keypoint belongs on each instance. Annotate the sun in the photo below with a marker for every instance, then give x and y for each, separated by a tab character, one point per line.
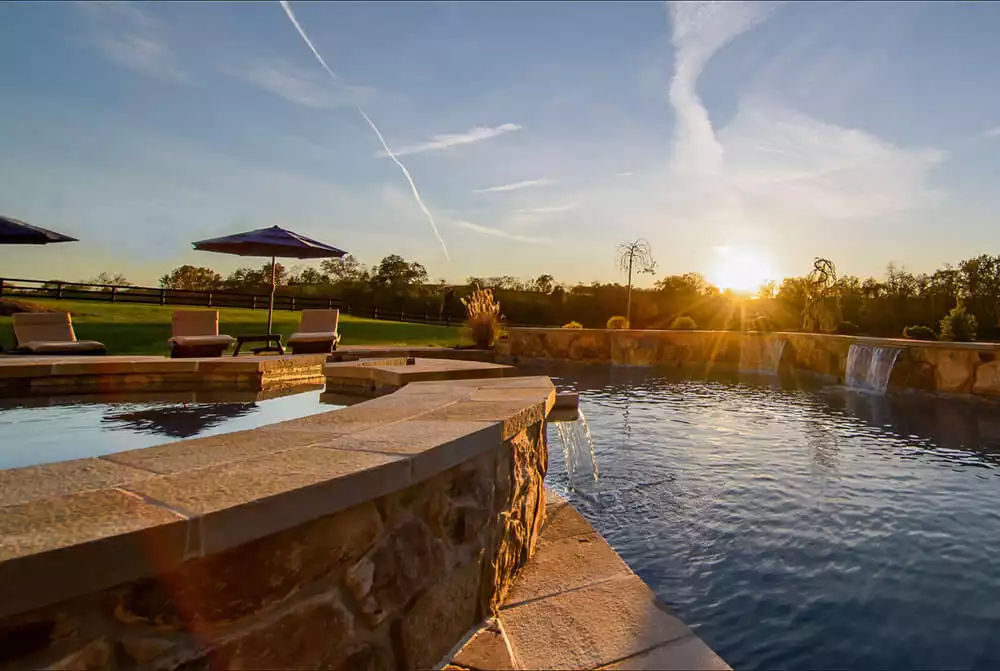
740	270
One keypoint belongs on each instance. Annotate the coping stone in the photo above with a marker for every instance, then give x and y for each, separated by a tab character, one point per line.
20	485
588	627
241	501
565	564
487	649
514	415
432	446
689	654
57	548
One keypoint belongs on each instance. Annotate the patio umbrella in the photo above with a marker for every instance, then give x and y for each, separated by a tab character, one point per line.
276	242
16	232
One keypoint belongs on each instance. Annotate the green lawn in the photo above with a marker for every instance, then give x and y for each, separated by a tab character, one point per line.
144	329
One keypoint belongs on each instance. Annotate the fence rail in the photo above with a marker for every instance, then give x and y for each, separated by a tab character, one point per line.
108	293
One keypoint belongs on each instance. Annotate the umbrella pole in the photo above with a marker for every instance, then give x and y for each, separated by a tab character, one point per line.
270	307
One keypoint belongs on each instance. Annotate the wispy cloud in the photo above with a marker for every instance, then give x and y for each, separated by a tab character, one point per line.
547	209
498	233
446	140
993	132
515	186
624	174
699	30
131	37
292	84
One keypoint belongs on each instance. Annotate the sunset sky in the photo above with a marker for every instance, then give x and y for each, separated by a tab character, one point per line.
740	140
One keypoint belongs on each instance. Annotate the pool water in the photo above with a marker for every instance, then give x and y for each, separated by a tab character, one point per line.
800	527
43	431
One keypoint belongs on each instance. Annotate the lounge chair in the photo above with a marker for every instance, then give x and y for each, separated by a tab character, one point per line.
317	332
50	333
196	333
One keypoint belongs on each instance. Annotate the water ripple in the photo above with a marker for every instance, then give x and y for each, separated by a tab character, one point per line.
801	527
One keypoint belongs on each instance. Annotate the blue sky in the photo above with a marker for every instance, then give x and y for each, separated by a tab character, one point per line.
539	135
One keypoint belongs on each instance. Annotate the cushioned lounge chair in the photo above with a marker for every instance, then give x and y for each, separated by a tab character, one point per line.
317	332
50	333
196	333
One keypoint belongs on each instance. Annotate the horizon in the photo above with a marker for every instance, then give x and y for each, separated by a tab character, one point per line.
741	140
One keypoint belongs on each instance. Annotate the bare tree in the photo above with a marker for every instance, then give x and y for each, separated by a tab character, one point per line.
635	256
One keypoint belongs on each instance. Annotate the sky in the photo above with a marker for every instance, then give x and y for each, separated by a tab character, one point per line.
740	140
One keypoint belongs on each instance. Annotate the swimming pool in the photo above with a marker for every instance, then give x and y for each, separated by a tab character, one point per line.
792	527
39	431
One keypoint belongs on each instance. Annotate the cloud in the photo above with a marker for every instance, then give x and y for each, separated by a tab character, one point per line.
624	174
993	132
130	37
485	230
301	88
699	30
515	186
547	209
446	140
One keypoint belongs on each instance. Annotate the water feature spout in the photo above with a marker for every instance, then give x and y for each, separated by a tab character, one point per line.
869	367
578	452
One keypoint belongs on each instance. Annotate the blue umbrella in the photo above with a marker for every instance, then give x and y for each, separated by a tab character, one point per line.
275	242
16	232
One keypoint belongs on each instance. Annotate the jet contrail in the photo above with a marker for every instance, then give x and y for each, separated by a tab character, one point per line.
406	173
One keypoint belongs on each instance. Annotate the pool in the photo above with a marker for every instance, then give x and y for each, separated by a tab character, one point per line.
799	527
39	431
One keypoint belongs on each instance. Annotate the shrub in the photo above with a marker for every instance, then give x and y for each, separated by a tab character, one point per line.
847	328
763	324
617	322
958	325
573	325
483	317
919	332
684	323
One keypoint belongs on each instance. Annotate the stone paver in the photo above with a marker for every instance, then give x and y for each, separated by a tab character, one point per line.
486	650
297	485
687	654
44	481
588	627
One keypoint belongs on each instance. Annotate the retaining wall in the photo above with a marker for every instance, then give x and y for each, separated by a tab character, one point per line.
940	367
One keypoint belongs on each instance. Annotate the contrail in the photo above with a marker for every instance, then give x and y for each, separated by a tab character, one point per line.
406	173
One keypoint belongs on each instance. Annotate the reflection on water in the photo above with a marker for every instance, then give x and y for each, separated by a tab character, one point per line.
43	430
801	526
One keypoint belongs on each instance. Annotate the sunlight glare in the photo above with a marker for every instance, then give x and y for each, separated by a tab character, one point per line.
740	270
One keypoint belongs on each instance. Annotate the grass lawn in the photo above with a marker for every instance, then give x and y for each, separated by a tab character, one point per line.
143	329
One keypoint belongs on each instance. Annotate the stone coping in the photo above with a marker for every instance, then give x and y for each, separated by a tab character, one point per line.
863	340
577	605
33	367
389	374
76	527
352	352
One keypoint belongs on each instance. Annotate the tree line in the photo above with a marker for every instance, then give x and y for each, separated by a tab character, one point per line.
820	301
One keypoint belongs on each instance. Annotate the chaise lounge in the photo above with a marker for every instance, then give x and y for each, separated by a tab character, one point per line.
196	333
50	333
317	332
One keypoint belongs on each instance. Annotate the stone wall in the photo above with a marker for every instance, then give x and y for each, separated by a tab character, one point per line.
390	582
939	367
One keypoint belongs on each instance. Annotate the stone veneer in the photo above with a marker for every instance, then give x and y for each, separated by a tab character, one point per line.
368	537
939	367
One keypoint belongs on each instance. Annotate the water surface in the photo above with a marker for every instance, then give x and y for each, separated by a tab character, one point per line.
808	528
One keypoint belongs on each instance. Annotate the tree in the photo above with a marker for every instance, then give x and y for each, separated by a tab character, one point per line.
308	276
345	269
117	280
822	305
394	271
544	283
256	279
637	256
191	278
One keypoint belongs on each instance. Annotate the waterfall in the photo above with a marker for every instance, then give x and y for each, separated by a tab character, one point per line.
869	367
578	451
761	355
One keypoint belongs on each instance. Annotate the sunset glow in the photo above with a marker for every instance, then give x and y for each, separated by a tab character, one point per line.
740	270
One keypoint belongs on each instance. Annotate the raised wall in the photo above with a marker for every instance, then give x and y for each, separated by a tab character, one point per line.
940	367
371	537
